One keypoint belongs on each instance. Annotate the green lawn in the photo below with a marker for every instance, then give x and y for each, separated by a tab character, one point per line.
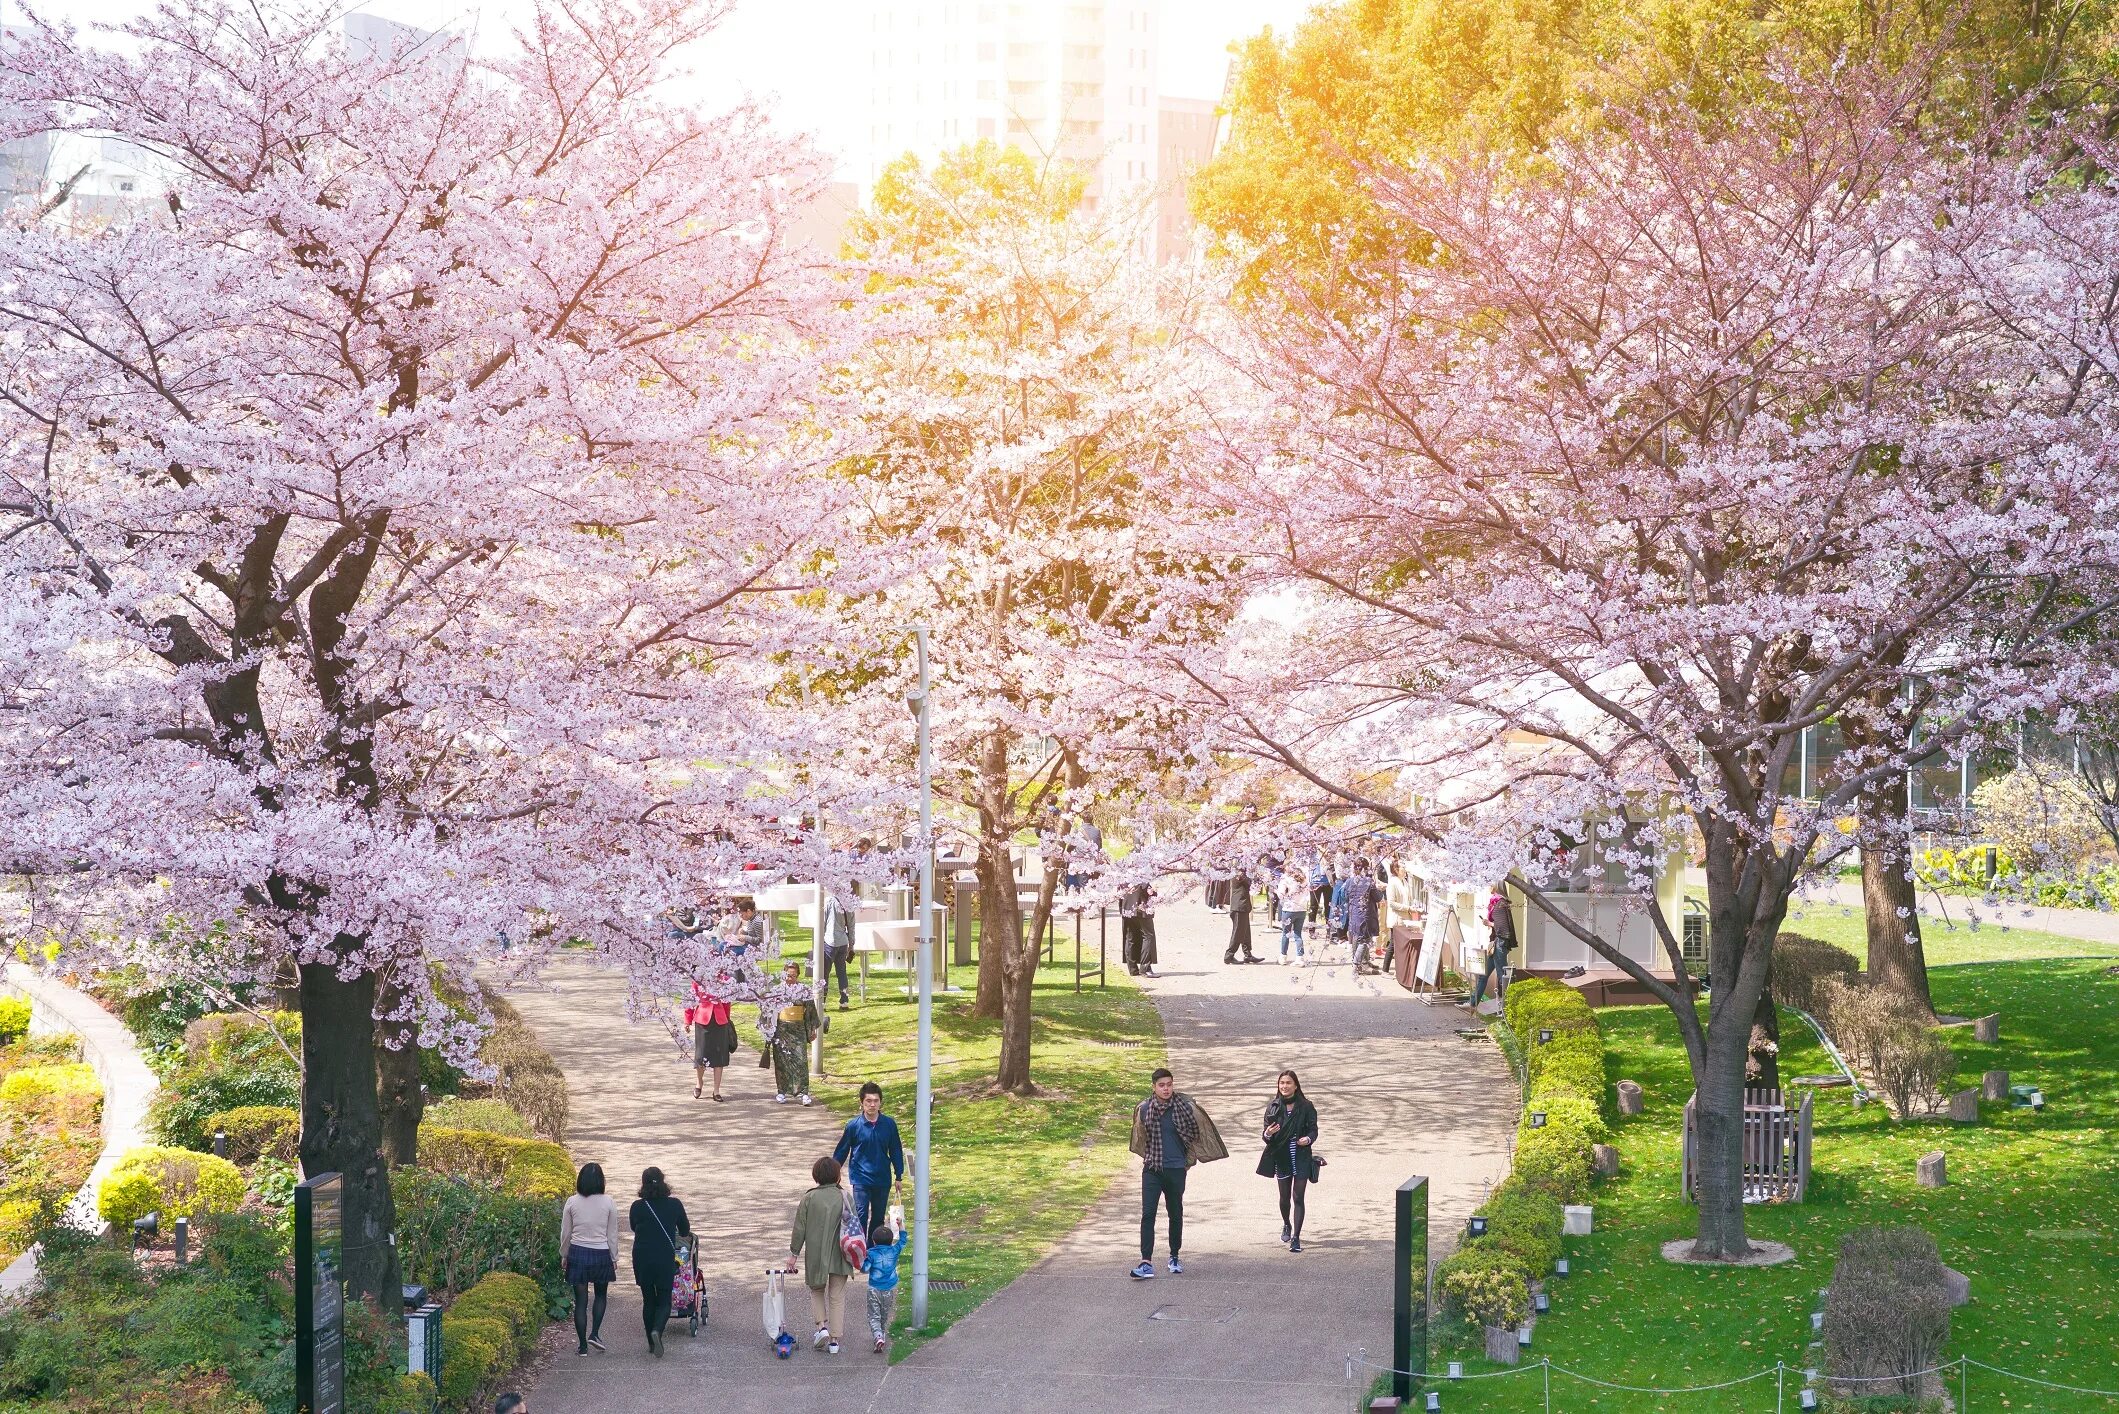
1011	1176
2031	1214
1947	943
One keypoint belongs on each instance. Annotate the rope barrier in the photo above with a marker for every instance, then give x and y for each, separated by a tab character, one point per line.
1547	1367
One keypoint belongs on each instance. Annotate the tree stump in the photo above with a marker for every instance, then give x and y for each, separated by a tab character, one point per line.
1386	1404
1964	1107
1987	1028
1501	1347
1956	1287
1605	1159
1630	1099
1994	1085
1930	1171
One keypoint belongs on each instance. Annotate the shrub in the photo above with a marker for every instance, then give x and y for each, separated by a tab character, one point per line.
1526	1222
193	1094
14	1018
1912	1064
1569	1112
1800	964
194	1325
1859	1017
176	1183
511	1299
2046	821
1485	1284
227	1036
525	1078
470	1357
1554	1160
526	1168
452	1231
485	1116
69	1093
259	1132
1887	1313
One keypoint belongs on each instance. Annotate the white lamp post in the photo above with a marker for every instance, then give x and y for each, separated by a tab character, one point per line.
923	1089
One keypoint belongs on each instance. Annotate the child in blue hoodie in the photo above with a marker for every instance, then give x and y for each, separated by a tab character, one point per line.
885	1246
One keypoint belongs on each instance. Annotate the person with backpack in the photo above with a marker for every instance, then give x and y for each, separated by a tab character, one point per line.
657	1220
820	1219
1290	1156
1501	940
1170	1134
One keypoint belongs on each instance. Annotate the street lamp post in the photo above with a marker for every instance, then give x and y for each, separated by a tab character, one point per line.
923	1089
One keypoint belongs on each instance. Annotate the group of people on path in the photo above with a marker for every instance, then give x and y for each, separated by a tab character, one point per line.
1172	1134
1346	896
850	1197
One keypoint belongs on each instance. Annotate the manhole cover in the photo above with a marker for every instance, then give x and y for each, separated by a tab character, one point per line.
1196	1315
945	1284
1119	1045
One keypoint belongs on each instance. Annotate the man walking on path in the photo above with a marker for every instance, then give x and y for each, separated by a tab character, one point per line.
874	1157
1165	1127
1362	897
1240	919
839	914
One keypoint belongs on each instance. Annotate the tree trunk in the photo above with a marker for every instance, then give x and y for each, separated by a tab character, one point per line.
1719	1145
399	1096
1019	996
342	1126
1897	962
1762	1062
1000	916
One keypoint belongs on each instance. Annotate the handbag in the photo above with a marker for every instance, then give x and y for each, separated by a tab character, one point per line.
852	1241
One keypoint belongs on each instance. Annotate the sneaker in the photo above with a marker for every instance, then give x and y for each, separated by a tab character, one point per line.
1295	1246
1287	1234
583	1352
781	1098
1144	1271
881	1344
806	1100
817	1341
831	1347
597	1343
1177	1268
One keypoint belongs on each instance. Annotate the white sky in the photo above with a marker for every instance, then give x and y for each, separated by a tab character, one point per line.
810	56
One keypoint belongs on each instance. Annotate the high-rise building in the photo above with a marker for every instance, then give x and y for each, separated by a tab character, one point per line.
1185	133
1068	78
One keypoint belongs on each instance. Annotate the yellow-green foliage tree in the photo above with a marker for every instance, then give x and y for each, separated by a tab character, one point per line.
1388	79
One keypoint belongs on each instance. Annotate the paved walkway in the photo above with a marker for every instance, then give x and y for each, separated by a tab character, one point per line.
1398	1092
2087	924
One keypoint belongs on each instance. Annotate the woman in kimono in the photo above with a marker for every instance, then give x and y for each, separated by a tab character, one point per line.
790	1019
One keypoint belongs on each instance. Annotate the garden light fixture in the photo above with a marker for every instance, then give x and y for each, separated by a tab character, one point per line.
1542	1303
1544	1035
1808	1400
1817	1320
1523	1335
1537	1119
1559	1267
1434	1399
1478	1225
182	1236
145	1227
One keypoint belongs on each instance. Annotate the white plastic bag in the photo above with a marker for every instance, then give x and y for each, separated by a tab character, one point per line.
775	1302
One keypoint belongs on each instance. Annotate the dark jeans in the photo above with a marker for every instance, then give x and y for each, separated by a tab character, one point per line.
1239	936
871	1206
655	1298
834	958
1169	1185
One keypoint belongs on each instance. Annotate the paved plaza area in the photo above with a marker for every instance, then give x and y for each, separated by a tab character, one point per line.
1398	1092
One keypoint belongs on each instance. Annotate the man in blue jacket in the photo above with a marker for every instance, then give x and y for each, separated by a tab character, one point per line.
874	1157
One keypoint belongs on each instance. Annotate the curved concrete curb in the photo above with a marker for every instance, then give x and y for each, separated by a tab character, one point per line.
127	1087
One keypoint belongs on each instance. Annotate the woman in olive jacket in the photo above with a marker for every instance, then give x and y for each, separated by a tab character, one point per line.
819	1220
1290	1154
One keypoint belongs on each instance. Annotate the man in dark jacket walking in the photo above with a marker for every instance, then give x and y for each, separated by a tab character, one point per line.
1362	914
1166	1127
876	1155
1239	919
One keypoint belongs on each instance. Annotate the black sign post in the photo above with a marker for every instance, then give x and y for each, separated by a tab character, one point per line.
319	1297
1409	1294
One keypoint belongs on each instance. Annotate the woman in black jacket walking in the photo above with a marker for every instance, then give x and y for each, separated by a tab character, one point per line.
1290	1154
658	1220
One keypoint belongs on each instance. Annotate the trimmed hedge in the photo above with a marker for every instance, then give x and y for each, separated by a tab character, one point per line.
484	1116
453	1231
176	1183
44	1087
1487	1279
259	1132
524	1168
487	1331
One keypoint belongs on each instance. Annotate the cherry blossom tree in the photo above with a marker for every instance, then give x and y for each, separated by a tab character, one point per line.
1691	439
400	530
1023	399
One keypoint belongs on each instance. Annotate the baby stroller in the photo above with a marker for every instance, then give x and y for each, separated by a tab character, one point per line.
688	1289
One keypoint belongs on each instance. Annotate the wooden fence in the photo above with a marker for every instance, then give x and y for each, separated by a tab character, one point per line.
1776	1148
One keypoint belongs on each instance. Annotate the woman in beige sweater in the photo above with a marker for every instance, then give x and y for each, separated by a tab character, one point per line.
588	1245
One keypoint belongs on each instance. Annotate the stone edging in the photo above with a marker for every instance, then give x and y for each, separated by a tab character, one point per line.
128	1085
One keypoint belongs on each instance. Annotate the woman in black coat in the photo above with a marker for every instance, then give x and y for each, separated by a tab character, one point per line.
1290	1154
658	1220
